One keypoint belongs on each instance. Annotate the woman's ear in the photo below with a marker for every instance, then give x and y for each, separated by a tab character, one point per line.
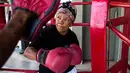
71	23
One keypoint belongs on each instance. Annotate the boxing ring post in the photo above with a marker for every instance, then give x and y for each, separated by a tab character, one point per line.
122	64
125	47
98	22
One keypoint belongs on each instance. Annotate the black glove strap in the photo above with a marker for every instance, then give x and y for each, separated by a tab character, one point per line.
41	57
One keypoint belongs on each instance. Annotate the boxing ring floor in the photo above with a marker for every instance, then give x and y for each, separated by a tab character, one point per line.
18	61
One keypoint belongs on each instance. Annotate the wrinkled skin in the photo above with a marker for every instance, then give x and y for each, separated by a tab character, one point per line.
63	22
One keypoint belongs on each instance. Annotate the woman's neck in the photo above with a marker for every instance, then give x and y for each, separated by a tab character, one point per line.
63	32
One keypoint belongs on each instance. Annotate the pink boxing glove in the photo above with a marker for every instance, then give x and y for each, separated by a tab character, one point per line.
76	52
57	60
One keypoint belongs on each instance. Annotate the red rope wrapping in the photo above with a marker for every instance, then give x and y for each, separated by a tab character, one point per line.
19	70
120	4
119	34
3	5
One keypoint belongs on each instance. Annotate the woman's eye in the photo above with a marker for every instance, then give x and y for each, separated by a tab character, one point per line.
65	19
58	17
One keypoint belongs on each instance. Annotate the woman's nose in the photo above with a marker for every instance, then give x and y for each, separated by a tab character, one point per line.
61	21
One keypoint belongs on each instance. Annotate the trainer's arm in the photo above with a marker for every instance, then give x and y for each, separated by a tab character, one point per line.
11	33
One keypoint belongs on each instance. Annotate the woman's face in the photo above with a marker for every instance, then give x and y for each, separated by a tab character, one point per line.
63	22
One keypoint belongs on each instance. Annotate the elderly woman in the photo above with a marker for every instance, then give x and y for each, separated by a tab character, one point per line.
56	47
